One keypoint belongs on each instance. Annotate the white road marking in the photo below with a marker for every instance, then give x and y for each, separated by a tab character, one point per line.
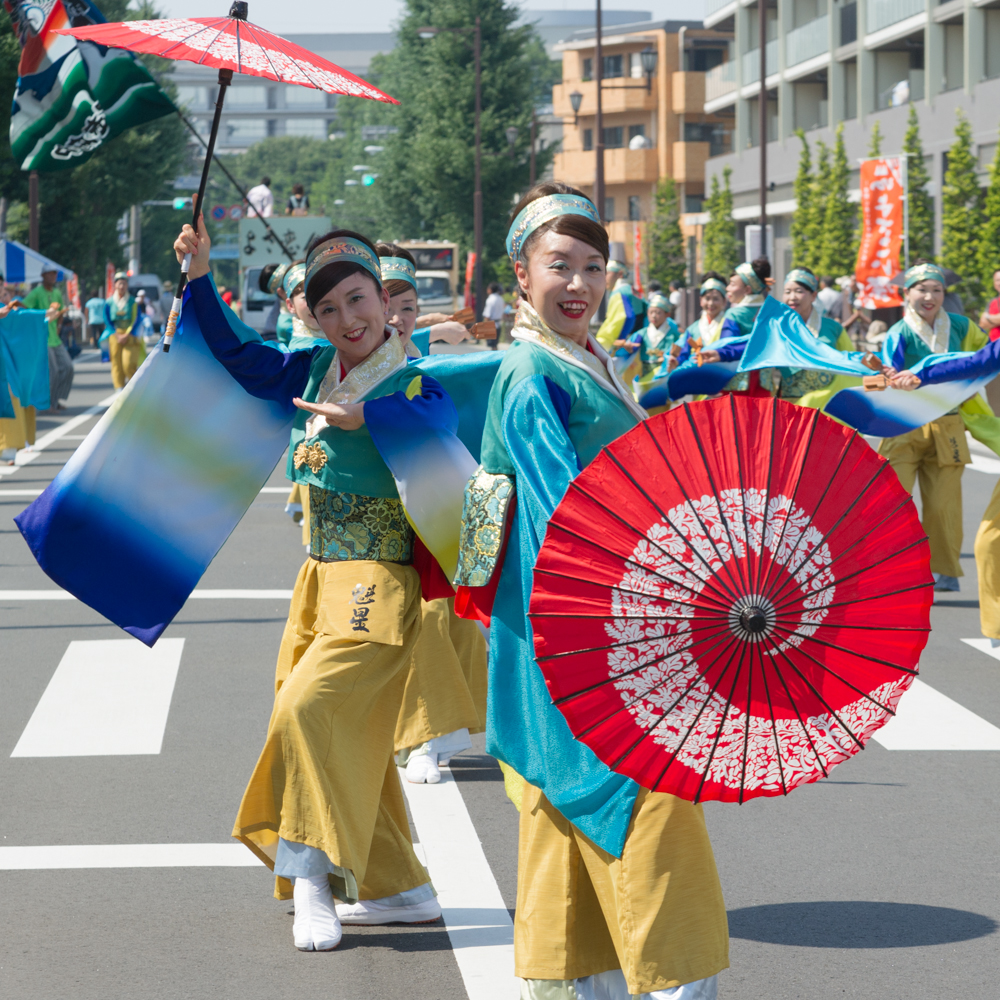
199	594
479	926
984	646
980	463
277	489
928	720
38	493
107	697
232	855
24	456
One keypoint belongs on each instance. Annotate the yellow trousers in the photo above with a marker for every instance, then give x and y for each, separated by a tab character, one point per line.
125	359
656	913
935	455
446	682
19	430
988	567
325	776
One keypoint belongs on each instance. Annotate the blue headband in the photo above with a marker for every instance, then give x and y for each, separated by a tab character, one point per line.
710	283
398	269
293	277
343	248
749	278
802	277
274	282
543	210
658	301
924	272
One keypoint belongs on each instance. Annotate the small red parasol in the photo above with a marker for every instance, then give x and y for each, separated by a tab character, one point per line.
731	599
232	45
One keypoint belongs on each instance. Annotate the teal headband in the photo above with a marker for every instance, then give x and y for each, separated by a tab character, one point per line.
274	282
802	277
398	269
709	284
343	248
750	279
542	210
617	266
292	278
657	301
924	272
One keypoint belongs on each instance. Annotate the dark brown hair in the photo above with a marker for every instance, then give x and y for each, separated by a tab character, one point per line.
396	286
708	275
264	278
331	275
577	226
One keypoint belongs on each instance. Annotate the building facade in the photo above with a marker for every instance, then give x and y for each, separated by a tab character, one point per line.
856	62
662	131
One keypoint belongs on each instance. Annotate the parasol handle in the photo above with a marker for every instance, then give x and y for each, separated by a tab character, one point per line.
874	383
225	79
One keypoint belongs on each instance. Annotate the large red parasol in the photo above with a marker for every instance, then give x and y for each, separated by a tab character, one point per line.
731	599
232	45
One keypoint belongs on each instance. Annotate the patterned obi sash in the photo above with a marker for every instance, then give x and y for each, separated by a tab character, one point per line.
349	526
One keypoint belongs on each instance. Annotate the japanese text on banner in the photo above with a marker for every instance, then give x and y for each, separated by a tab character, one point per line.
882	204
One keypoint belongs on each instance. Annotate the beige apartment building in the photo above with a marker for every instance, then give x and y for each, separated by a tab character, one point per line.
655	126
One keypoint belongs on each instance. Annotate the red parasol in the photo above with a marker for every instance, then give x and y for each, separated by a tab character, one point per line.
232	45
731	599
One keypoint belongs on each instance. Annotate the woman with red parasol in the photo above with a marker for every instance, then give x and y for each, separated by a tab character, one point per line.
615	882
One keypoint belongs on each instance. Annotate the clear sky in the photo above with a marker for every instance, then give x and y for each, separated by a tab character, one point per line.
306	16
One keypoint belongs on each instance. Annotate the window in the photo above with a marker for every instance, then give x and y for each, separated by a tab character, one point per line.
272	127
634	208
612	67
954	57
192	97
588	139
850	90
588	69
702	60
992	42
609	209
272	98
246	97
614	138
694	202
698	131
304	97
635	66
312	128
848	23
634	130
243	131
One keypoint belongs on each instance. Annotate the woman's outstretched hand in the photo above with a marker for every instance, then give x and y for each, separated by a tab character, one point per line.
197	244
905	380
347	416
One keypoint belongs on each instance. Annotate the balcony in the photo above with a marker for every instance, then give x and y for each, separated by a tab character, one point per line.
621	166
615	100
721	80
882	13
807	41
751	62
688	91
689	162
712	6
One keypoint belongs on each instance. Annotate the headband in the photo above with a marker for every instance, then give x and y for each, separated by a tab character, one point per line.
398	269
924	272
617	266
542	210
710	283
292	278
343	248
750	278
802	277
119	275
657	301
274	282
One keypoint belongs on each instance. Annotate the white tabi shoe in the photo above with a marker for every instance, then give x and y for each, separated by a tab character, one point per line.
374	911
423	768
316	926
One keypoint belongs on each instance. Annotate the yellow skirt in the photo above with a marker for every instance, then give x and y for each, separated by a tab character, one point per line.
988	567
656	913
446	683
19	430
326	766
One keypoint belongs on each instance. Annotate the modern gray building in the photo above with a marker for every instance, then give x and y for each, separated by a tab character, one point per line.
856	62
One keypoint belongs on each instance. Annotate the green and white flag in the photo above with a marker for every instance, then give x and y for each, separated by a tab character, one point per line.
73	96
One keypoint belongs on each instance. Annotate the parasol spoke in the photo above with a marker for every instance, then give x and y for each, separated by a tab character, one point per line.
841	649
848	604
802	722
767	489
743	478
774	730
746	728
719	731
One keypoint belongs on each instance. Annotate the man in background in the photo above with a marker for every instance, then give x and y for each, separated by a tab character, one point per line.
48	298
95	317
260	200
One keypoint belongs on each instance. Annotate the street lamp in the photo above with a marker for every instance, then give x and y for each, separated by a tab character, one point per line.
575	100
648	57
511	133
477	195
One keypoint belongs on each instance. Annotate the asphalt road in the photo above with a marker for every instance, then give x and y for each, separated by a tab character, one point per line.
880	882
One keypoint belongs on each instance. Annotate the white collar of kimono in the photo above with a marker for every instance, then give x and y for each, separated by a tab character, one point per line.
531	328
937	338
300	329
751	300
360	380
815	321
709	329
657	333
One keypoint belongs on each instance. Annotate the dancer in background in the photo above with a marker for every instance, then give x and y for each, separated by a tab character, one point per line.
121	333
626	311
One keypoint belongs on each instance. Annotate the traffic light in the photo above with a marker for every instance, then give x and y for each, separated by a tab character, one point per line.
181	203
368	179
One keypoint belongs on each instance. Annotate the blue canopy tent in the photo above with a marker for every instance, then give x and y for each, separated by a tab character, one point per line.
19	264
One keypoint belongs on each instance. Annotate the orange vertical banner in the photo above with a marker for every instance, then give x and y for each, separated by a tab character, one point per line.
883	197
637	261
109	279
470	277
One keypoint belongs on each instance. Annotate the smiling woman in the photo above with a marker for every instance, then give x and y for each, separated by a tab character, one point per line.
555	403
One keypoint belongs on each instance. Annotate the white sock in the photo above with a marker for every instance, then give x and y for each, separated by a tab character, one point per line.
316	926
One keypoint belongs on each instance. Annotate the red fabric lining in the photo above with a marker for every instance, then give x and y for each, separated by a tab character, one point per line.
476	603
433	582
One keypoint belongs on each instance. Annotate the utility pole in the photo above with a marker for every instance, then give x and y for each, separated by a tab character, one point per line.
762	121
477	198
33	210
599	121
531	169
135	240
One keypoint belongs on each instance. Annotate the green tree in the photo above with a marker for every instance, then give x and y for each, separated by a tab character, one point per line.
666	241
989	243
920	205
838	251
962	214
875	140
720	246
803	194
816	216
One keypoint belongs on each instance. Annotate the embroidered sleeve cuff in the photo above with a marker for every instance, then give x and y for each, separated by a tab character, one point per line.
484	516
